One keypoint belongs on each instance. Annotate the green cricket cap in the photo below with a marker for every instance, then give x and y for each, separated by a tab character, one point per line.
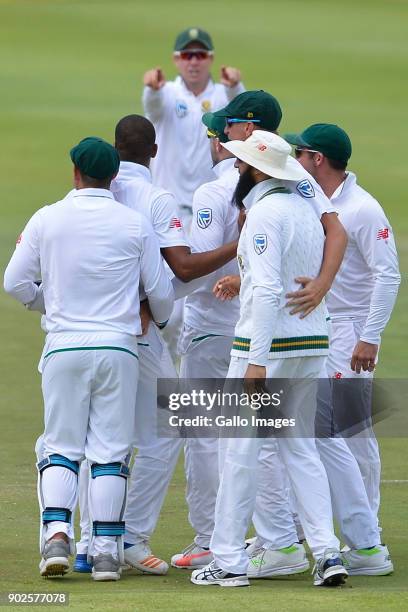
258	106
215	125
96	158
193	35
327	138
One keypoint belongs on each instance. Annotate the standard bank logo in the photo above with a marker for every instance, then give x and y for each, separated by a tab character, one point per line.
204	217
305	188
260	243
181	109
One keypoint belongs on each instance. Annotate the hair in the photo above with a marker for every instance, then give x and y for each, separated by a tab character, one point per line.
135	138
336	164
95	183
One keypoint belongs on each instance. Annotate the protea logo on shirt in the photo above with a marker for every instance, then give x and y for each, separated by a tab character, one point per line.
305	188
181	109
204	217
260	243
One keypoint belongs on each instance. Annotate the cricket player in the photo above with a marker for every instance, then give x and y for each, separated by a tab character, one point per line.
89	255
360	303
250	111
206	339
280	240
356	519
157	457
176	107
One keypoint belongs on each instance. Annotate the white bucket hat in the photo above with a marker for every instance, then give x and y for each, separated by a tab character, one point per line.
268	153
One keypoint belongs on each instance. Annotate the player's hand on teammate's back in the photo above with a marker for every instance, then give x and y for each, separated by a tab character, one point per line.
363	357
305	300
227	287
154	78
230	77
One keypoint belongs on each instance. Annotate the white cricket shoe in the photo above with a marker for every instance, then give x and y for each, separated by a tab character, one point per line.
192	557
252	546
329	570
266	563
375	561
212	574
140	557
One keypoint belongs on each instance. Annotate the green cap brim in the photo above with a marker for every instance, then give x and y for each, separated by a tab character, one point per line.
296	139
215	123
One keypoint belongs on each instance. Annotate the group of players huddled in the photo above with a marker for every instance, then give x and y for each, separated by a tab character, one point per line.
257	265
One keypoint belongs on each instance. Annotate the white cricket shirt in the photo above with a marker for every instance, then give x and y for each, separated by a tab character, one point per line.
183	161
366	284
214	223
90	254
133	187
281	239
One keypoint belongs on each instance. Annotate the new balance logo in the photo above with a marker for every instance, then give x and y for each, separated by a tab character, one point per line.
175	223
383	234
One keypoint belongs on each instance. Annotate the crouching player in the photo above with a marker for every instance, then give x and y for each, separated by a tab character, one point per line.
90	255
281	240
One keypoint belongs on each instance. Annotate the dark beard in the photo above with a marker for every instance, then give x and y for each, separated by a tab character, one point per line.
244	186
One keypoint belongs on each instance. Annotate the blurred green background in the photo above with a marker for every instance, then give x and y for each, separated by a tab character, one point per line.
70	69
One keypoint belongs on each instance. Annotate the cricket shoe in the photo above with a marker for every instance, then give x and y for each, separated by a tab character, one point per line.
192	557
81	564
212	574
329	570
266	563
252	546
105	568
140	557
55	558
375	561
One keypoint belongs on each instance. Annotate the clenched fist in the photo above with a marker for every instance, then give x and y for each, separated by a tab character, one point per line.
154	78
230	77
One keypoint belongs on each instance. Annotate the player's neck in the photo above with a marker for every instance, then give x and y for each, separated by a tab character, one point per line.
197	88
331	181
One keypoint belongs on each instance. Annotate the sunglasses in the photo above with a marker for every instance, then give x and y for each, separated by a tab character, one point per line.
200	54
299	151
232	121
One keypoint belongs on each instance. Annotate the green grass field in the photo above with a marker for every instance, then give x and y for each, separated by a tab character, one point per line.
72	68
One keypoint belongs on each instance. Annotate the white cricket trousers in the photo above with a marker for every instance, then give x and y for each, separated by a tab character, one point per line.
89	396
203	356
156	457
345	334
238	487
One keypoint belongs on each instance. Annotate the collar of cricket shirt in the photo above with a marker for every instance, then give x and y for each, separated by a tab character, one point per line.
224	166
344	188
91	192
132	170
259	190
207	91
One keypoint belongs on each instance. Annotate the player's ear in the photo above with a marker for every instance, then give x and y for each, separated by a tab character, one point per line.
249	128
318	159
154	150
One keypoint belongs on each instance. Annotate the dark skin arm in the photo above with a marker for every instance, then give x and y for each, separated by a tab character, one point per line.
187	265
314	289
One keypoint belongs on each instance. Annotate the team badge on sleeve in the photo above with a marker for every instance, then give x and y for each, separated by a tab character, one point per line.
19	239
383	234
260	243
305	188
204	217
